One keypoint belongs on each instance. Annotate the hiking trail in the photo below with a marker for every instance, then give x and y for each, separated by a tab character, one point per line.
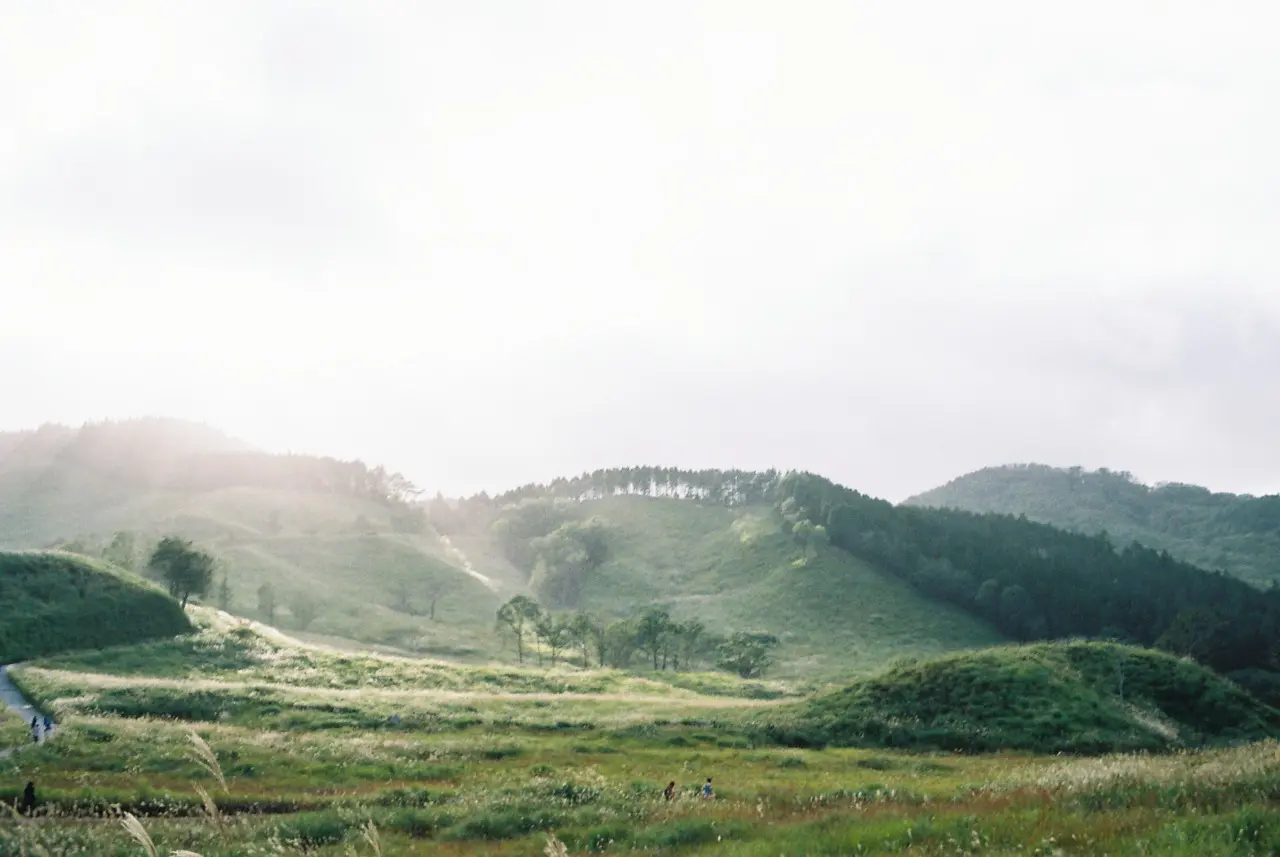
12	699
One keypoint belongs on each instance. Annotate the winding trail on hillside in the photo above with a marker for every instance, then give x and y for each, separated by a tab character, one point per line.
12	699
465	561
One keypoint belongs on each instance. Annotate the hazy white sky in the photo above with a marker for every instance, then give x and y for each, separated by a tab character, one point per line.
491	242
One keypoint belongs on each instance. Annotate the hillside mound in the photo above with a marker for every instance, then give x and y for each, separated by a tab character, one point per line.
56	602
1050	697
735	568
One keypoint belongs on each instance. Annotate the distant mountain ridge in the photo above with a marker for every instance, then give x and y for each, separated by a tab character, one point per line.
1237	533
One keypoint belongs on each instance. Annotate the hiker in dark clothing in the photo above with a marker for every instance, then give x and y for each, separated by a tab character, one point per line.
35	730
670	791
28	799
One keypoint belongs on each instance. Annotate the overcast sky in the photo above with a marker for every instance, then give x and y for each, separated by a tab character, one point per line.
492	242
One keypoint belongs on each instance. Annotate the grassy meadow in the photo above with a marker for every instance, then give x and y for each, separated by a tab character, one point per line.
14	731
314	751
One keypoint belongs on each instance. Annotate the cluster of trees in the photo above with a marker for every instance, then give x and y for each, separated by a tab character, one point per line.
556	551
653	637
1238	533
215	470
1036	582
725	487
805	532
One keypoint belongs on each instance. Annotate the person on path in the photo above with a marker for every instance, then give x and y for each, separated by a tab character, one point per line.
35	730
48	726
28	799
670	791
707	793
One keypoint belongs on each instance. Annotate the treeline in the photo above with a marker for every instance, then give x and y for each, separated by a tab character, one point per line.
148	454
725	487
1238	533
1035	582
555	551
213	471
653	638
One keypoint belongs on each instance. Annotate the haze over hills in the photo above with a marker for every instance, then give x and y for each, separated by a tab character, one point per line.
845	582
1237	533
349	548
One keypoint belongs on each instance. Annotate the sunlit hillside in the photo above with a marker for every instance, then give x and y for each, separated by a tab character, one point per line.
335	551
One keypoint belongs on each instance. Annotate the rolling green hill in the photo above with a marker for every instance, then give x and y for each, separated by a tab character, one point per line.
734	568
54	602
1049	697
351	538
1239	534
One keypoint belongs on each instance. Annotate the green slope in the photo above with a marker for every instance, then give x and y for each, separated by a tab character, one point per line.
1239	534
53	602
1049	697
735	569
310	528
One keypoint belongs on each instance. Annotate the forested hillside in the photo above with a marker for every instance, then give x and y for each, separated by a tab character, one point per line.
1036	582
1237	533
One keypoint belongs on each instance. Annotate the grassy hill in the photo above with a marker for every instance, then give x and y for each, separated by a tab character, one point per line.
52	602
1239	534
318	529
1049	697
735	568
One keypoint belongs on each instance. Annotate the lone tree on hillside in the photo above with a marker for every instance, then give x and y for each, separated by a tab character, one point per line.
186	569
748	655
519	614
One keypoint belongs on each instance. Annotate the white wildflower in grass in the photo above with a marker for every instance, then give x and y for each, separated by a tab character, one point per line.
211	810
205	758
370	834
139	833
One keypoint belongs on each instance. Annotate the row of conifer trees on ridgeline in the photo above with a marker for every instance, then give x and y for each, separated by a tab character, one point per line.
725	487
1036	582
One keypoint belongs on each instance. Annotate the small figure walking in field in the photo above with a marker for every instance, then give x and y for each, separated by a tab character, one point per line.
35	730
28	799
707	793
48	726
669	792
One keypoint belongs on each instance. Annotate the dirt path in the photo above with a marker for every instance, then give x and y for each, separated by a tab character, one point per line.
465	562
12	699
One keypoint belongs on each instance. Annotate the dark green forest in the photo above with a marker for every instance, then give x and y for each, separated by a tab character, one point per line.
1237	533
54	602
1037	582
